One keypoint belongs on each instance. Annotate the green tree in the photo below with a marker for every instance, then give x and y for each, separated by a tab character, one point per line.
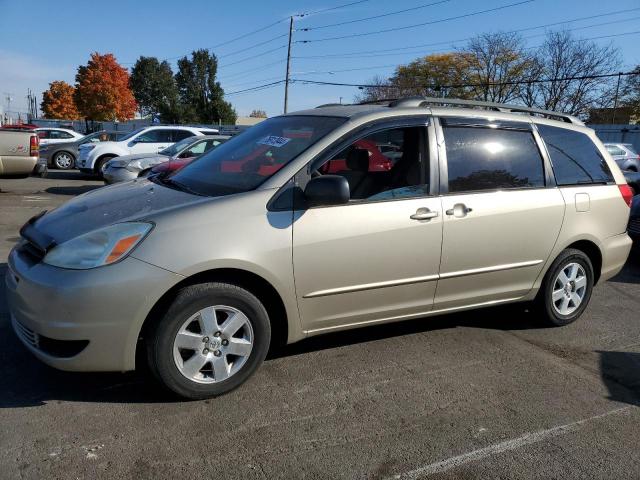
155	89
434	76
201	95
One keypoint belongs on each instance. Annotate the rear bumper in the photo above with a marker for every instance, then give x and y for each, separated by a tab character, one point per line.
83	320
615	251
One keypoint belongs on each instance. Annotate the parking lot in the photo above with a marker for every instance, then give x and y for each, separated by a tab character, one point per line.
482	394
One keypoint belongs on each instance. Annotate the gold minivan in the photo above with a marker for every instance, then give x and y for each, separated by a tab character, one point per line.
316	221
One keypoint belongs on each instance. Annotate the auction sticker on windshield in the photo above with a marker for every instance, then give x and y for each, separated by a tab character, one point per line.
274	141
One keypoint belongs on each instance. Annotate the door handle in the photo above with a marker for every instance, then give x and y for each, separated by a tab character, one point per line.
423	213
459	210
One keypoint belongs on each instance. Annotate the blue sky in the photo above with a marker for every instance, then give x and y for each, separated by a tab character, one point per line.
42	41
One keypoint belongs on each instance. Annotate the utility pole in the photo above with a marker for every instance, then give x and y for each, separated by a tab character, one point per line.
286	81
615	101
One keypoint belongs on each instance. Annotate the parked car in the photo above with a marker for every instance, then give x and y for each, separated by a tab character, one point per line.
625	156
152	139
199	272
19	126
129	167
63	155
18	153
633	180
57	135
633	228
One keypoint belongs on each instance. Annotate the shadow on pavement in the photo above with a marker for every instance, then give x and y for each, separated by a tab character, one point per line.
69	175
71	189
621	374
631	272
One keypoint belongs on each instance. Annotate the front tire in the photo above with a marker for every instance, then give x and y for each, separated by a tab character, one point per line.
64	161
212	338
101	163
566	288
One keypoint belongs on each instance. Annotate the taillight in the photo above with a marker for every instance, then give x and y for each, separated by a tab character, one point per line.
34	146
627	193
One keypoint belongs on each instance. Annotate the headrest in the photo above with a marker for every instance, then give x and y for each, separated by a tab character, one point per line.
358	160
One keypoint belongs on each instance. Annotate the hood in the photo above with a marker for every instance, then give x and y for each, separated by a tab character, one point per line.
137	200
125	159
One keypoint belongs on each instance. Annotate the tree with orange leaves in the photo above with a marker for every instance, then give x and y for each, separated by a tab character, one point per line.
58	102
102	90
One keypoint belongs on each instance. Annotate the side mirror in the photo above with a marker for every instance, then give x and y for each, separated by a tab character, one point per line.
327	190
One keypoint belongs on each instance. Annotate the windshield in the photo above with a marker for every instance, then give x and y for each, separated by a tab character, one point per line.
87	138
172	150
135	132
247	160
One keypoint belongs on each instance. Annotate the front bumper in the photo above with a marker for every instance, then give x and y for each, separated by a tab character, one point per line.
96	313
117	174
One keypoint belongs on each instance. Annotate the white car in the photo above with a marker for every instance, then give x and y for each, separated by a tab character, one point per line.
92	157
57	135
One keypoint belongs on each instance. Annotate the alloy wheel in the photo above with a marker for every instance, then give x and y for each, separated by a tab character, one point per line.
213	344
64	161
569	289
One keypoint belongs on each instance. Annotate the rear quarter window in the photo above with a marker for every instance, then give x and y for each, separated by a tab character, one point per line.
574	156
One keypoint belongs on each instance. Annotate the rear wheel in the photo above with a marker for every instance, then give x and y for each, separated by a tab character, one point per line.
566	289
63	160
209	341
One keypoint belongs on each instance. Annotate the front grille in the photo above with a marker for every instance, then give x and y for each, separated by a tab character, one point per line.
26	334
50	346
634	226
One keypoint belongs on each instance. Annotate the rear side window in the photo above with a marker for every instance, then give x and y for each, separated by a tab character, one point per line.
613	150
491	159
575	158
181	135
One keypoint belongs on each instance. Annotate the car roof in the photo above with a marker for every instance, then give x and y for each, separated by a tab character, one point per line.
443	107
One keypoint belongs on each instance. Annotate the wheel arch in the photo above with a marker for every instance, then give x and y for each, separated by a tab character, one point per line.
591	250
96	164
254	283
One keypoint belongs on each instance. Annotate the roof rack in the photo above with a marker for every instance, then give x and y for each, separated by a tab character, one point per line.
500	107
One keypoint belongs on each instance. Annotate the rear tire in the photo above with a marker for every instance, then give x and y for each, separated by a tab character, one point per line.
566	288
64	161
210	340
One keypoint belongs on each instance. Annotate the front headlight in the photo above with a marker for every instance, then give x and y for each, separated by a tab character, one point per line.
100	247
141	164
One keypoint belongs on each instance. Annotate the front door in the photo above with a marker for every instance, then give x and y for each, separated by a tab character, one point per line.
501	220
376	258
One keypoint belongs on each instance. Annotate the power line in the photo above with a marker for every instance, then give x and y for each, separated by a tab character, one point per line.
329	9
253	56
373	67
463	85
259	67
397	12
257	88
406	27
362	53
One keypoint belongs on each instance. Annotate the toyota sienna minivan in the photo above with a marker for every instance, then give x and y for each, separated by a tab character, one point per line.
262	241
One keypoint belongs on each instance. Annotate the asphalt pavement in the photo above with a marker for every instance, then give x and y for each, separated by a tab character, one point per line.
486	394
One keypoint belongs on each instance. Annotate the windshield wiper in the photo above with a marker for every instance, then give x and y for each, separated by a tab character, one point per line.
170	182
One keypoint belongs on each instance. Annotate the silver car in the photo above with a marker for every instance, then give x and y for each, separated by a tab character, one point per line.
624	155
278	235
129	167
